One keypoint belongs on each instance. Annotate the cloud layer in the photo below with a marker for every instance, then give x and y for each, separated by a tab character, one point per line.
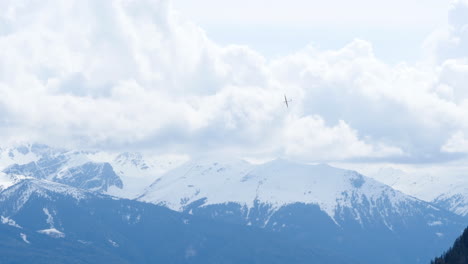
134	74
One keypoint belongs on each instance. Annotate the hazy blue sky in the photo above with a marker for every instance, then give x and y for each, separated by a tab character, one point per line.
277	28
370	81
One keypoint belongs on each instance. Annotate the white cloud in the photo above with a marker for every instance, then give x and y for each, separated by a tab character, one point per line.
451	42
129	73
456	143
309	138
454	77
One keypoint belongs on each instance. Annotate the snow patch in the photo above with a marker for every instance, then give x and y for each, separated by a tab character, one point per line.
50	218
113	243
52	232
8	180
17	155
435	223
25	238
8	221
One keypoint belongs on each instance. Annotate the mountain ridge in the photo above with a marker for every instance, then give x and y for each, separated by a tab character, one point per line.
312	204
60	223
317	204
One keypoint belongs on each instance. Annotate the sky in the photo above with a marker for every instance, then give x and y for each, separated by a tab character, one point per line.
278	28
370	81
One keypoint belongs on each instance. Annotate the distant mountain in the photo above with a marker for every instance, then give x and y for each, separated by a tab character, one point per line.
316	204
70	168
446	191
21	154
119	174
339	211
47	222
455	200
457	254
138	171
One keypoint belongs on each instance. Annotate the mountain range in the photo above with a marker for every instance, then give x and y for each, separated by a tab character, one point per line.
261	213
54	223
444	190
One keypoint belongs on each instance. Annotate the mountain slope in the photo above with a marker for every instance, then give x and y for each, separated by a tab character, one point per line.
316	204
46	222
446	191
72	168
119	174
457	254
277	184
138	171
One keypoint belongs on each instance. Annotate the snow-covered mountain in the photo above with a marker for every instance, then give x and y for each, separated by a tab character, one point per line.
455	200
15	197
7	180
47	222
22	154
277	184
72	168
338	210
446	191
137	171
320	204
120	174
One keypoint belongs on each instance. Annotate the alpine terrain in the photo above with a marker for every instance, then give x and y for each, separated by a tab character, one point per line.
128	202
316	204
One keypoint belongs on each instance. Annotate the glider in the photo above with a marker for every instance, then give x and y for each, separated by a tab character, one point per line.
286	101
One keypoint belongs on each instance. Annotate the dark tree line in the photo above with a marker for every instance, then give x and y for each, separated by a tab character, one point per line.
458	254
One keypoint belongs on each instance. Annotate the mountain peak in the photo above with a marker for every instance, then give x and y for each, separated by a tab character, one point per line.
277	183
21	192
